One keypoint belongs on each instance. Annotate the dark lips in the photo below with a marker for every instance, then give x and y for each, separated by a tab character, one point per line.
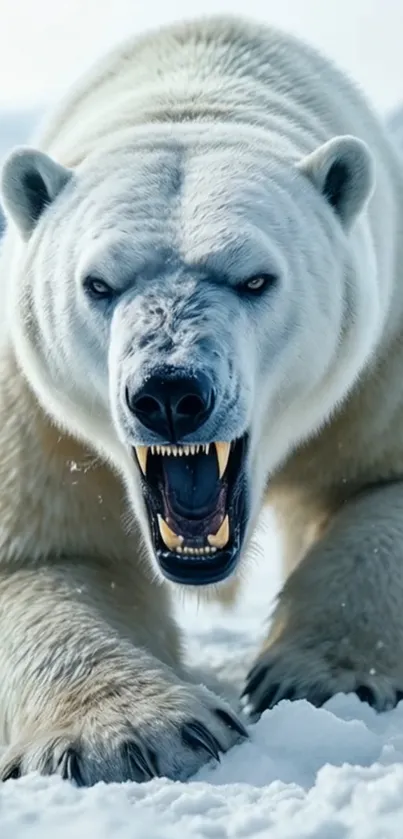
198	572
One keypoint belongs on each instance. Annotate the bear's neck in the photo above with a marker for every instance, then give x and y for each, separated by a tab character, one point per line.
56	497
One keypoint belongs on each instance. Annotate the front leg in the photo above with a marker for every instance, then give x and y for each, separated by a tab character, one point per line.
84	691
338	625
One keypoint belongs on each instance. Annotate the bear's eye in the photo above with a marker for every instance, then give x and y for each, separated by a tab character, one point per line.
98	289
256	285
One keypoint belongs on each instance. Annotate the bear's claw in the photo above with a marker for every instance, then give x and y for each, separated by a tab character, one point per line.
129	750
289	671
196	735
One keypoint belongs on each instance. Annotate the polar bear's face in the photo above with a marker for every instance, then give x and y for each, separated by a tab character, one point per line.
194	311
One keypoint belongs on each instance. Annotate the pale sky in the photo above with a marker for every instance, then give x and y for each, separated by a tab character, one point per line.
45	44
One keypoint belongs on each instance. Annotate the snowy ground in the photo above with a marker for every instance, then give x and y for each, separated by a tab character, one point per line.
333	773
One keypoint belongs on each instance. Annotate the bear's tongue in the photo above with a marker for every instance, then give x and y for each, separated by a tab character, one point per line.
194	498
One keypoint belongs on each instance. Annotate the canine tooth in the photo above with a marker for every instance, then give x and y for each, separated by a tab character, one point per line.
220	539
168	536
142	454
222	450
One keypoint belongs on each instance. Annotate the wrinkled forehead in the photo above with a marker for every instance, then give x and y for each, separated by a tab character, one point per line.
200	203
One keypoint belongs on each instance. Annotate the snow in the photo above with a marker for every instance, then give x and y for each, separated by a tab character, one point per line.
305	773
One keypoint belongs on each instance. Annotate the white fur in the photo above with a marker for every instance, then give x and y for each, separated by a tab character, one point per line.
186	162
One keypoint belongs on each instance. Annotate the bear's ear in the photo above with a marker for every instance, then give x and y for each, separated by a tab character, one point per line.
343	171
30	181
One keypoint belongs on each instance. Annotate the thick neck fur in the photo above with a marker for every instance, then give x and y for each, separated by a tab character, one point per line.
57	498
210	71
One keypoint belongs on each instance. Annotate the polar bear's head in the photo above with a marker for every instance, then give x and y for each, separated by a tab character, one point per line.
194	307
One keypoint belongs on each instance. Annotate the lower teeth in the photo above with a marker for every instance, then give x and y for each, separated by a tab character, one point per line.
195	551
174	542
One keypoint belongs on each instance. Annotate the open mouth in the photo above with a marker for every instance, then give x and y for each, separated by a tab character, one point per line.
196	498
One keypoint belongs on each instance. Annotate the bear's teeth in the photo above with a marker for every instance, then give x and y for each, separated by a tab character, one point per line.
206	551
178	451
222	450
220	539
169	537
142	454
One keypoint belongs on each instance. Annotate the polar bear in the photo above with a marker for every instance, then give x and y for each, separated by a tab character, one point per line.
204	312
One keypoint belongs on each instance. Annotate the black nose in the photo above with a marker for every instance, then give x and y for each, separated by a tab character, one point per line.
173	404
